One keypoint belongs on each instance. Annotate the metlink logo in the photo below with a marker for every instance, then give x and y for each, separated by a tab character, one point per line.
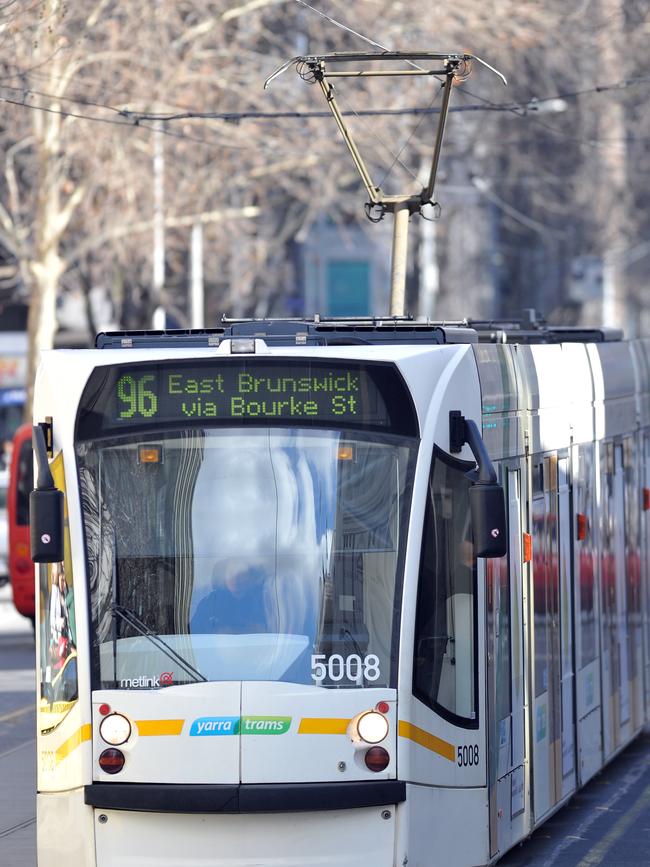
214	726
145	682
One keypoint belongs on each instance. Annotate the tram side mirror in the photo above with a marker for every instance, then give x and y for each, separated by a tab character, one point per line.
46	526
45	509
488	510
486	498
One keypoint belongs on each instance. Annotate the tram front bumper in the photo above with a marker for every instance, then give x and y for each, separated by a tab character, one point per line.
333	838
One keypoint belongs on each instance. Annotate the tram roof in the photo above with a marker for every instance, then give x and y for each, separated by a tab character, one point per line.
342	331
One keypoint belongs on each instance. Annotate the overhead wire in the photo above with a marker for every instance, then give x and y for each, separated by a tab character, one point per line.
141	119
347	29
342	26
129	117
415	130
583	140
529	110
526	108
126	120
520	109
530	105
515	214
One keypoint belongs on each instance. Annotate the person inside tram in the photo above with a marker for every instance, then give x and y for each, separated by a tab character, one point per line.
236	604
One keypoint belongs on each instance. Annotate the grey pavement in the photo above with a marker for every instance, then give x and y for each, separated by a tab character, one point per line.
605	823
18	806
17	738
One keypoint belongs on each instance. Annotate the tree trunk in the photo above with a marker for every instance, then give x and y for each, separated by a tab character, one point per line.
612	192
46	265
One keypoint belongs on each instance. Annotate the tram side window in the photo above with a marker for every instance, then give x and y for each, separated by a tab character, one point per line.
499	583
608	538
542	569
445	627
632	533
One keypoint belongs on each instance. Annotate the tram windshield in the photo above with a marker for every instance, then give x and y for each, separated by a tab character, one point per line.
245	553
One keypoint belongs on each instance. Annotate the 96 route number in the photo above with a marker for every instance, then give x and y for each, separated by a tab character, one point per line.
468	756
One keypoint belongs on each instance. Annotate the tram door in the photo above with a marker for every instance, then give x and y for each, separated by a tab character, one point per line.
645	562
616	686
567	678
506	667
587	606
632	581
645	481
553	721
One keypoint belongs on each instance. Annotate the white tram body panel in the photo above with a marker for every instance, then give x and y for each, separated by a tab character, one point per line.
505	684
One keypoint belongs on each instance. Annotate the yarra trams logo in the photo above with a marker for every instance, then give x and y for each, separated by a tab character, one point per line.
211	726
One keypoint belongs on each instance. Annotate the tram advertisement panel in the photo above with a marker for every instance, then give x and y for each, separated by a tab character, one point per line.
126	397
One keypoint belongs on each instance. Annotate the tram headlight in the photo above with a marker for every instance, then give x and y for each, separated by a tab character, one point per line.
372	727
115	729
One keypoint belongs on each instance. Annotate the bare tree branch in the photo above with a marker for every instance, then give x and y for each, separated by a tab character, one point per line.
251	6
247	213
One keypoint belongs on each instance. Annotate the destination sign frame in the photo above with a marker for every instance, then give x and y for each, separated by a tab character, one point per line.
245	391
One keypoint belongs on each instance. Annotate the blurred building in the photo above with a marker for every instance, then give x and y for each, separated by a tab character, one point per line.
13	374
344	270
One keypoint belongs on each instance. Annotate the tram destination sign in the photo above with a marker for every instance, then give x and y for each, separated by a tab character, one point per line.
313	392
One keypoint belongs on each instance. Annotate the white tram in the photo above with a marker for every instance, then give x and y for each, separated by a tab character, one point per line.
264	634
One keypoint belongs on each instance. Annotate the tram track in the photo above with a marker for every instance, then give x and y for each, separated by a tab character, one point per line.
583	831
14	715
17	731
17	738
17	798
16	748
19	826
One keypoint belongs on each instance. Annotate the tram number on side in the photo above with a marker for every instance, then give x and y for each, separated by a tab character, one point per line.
468	756
354	667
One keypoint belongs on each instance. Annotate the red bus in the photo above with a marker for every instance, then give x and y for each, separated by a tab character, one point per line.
21	482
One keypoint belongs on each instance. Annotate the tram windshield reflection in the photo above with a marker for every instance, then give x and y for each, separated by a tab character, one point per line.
252	554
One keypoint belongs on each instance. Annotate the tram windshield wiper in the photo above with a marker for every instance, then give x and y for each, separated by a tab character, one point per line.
134	621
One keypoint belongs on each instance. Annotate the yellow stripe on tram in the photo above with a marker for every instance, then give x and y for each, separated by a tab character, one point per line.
159	727
82	734
426	740
323	726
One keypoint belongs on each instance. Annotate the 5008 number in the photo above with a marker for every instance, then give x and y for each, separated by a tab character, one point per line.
337	667
468	756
